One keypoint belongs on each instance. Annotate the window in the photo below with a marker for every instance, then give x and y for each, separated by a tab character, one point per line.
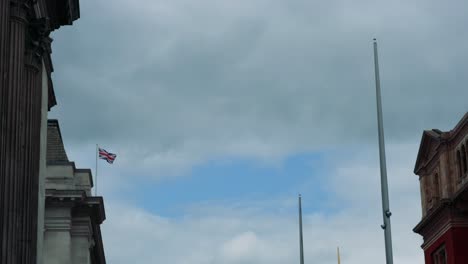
459	163
466	151
427	191
436	186
440	256
463	158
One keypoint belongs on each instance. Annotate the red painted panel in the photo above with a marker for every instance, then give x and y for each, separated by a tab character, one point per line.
460	242
456	245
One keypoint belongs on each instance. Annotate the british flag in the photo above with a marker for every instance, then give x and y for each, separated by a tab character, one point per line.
109	157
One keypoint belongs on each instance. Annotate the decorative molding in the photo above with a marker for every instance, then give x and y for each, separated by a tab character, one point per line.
449	225
36	42
19	10
82	226
57	223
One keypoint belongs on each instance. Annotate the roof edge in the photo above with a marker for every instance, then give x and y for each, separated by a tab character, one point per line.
460	125
436	134
427	137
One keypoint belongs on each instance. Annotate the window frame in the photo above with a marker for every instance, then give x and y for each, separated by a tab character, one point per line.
464	162
436	185
439	256
459	164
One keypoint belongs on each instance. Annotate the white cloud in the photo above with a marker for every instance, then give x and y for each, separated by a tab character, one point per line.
242	246
244	233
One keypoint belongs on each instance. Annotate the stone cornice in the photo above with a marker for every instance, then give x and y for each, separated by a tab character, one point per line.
61	12
434	215
430	142
439	220
447	226
54	196
82	226
463	123
82	205
58	223
51	15
433	139
93	206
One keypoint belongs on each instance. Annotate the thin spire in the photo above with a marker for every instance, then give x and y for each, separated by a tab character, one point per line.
301	243
338	254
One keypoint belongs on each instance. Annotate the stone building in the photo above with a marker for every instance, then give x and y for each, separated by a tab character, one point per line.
72	215
26	93
442	167
45	202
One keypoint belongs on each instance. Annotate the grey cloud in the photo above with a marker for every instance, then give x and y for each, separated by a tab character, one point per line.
211	78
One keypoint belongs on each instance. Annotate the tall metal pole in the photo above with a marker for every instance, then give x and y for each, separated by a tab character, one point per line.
95	184
301	243
383	167
338	254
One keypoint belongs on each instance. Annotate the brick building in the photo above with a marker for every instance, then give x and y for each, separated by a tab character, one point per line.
442	167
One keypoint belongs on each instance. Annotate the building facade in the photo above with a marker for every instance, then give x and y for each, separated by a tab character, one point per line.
47	213
72	232
442	167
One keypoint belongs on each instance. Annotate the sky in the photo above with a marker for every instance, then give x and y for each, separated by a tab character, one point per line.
222	112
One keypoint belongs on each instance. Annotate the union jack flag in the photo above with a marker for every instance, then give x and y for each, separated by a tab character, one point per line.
109	157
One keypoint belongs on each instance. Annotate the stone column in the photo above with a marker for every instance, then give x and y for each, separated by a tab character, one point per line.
42	167
4	45
57	238
11	166
31	105
82	240
4	56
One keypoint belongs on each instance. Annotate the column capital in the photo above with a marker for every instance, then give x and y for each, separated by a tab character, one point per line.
19	9
37	42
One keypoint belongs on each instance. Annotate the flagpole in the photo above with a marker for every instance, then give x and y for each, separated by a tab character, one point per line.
338	254
95	184
383	166
301	243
